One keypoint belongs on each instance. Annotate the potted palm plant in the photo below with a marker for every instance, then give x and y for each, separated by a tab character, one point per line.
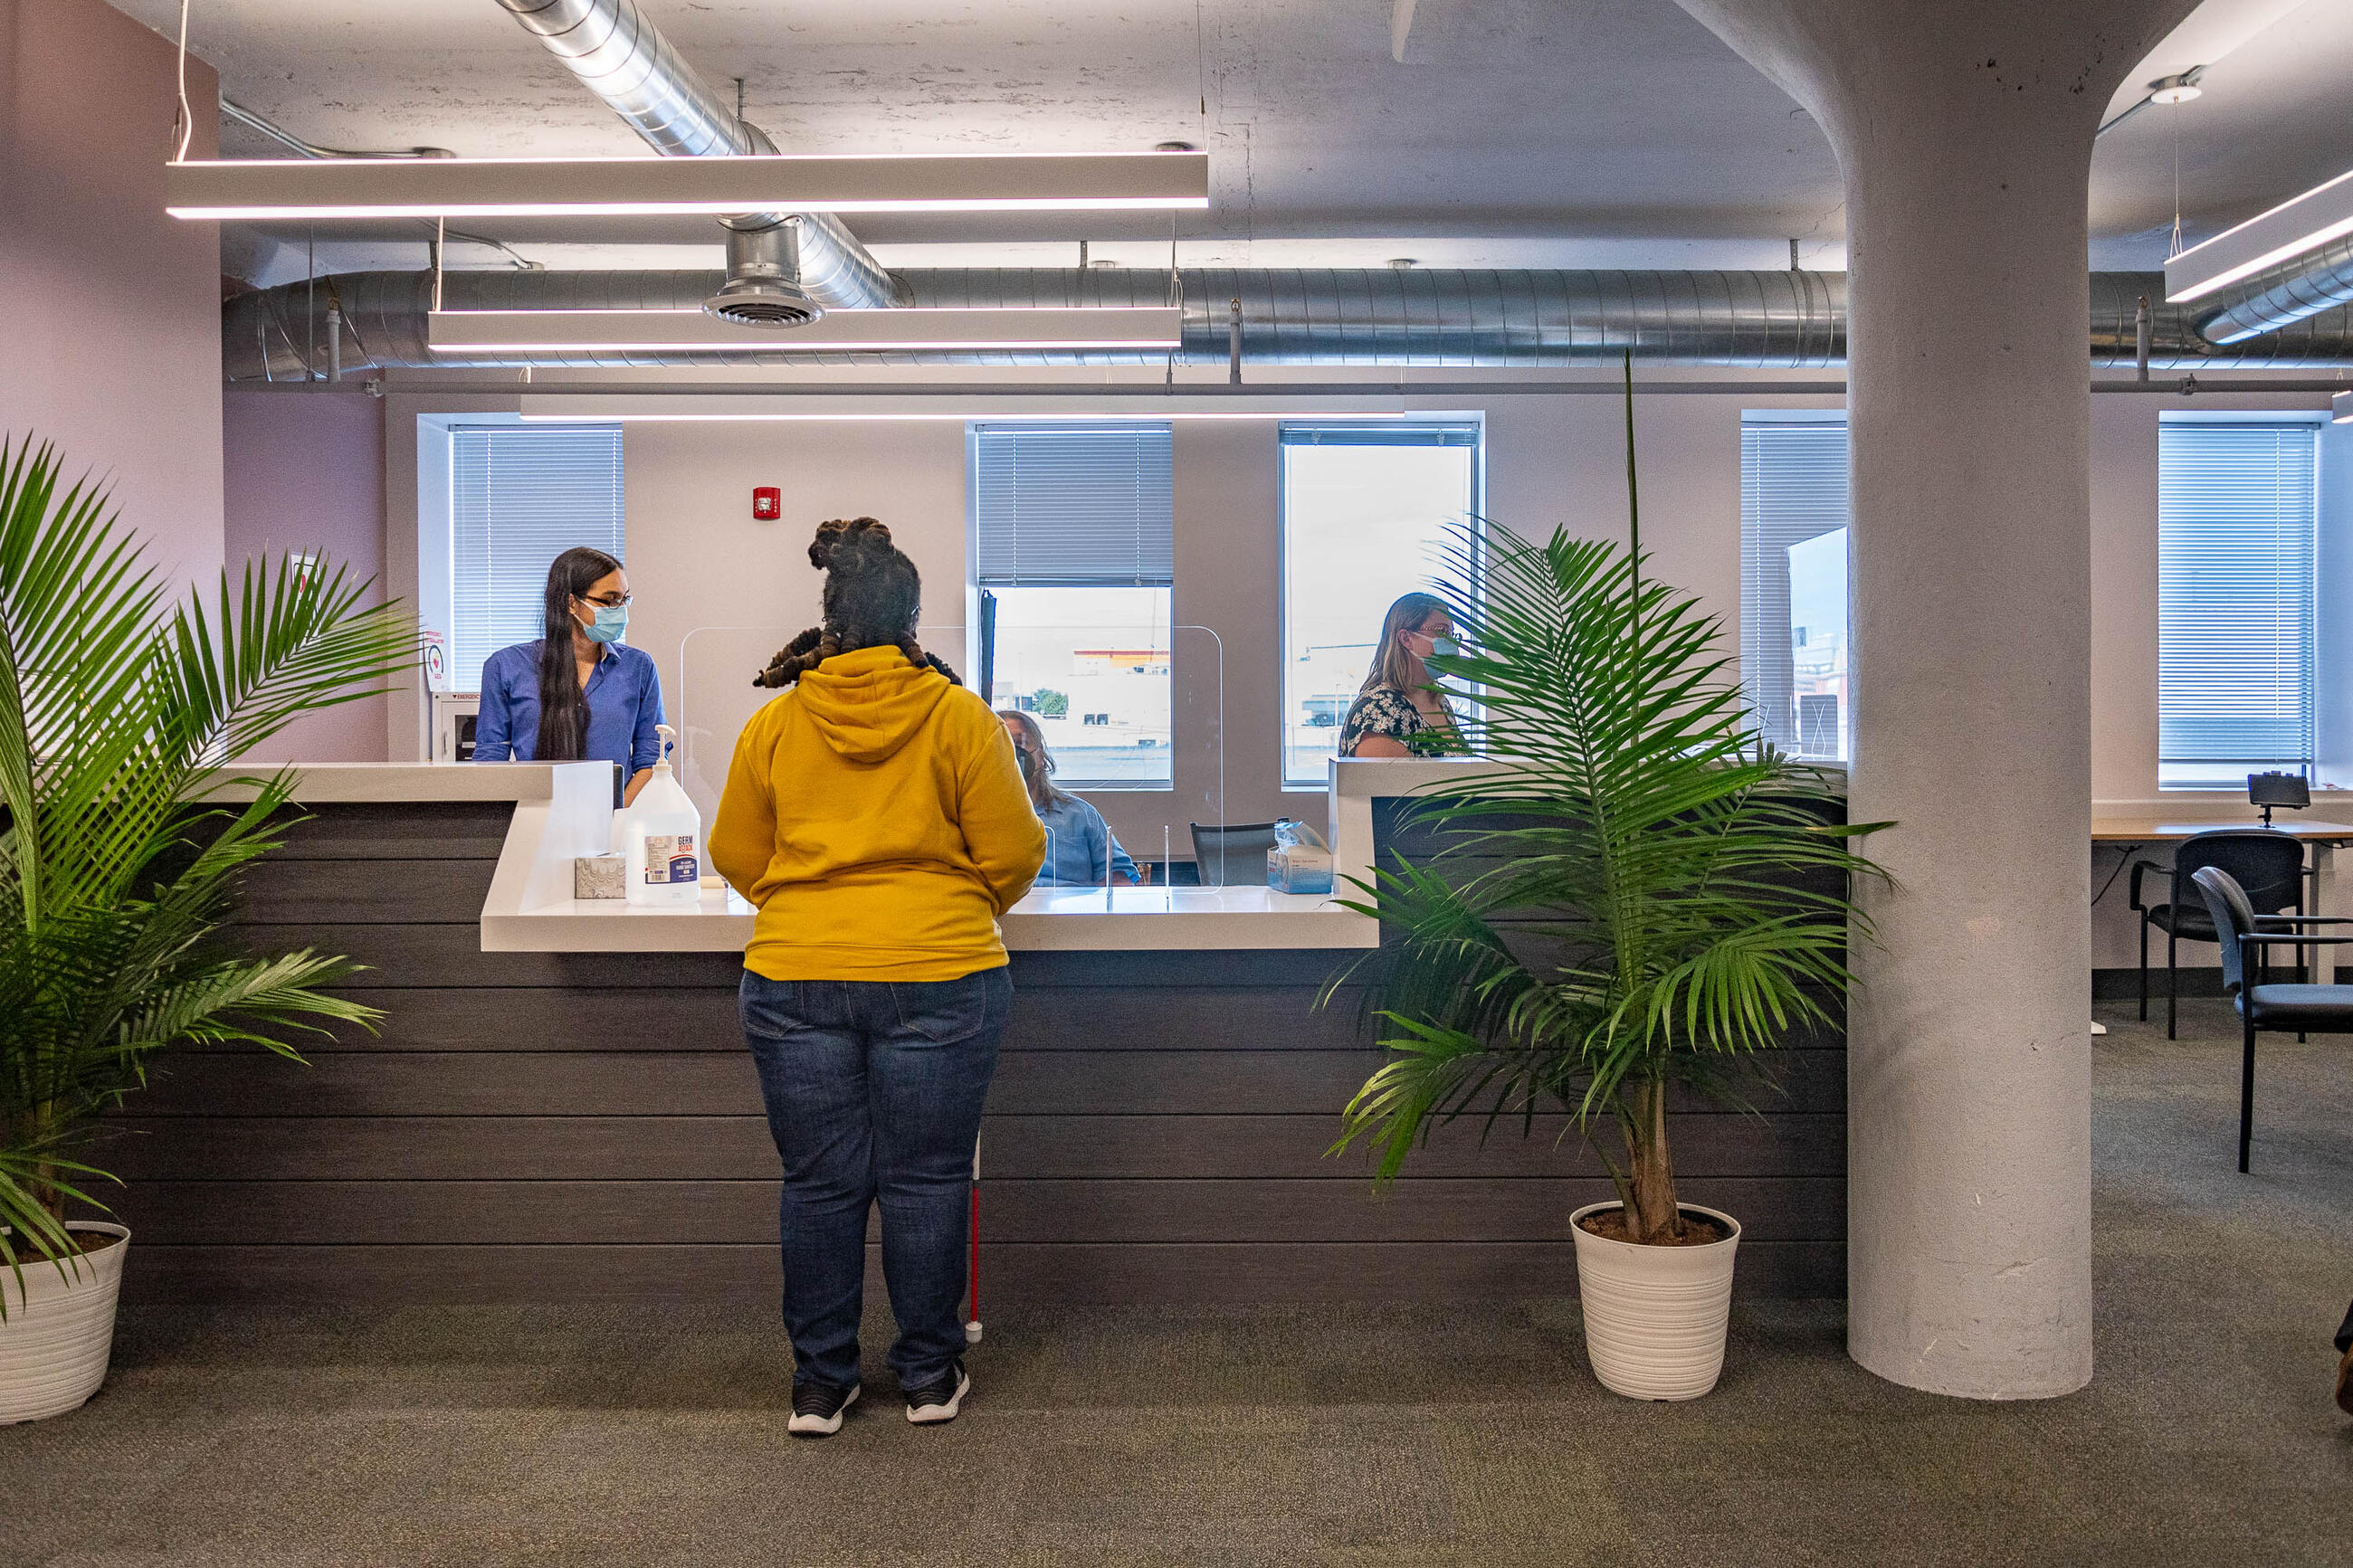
1667	896
116	705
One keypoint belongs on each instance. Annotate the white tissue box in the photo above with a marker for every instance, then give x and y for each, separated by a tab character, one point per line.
597	877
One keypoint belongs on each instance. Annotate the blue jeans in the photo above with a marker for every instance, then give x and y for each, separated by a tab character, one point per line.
874	1090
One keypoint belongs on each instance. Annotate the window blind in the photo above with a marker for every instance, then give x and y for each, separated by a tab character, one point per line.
1065	506
520	496
1379	435
1793	488
2236	516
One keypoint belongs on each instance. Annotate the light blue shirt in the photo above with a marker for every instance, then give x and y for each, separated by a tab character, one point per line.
1077	839
623	694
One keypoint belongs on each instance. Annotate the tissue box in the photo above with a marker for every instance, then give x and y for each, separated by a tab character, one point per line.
597	877
1299	868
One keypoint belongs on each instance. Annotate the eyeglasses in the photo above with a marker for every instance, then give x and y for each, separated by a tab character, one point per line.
606	600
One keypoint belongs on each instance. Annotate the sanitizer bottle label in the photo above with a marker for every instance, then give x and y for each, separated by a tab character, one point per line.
670	857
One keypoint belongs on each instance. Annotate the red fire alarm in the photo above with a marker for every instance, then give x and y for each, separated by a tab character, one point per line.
767	504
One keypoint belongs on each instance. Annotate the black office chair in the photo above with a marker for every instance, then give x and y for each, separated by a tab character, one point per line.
1232	854
2268	866
2246	939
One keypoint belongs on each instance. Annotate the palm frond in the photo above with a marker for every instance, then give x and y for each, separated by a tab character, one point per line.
1691	886
115	708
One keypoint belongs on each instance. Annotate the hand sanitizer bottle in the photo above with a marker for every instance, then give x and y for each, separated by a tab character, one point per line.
661	841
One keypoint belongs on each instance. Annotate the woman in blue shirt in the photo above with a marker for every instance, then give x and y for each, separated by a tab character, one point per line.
1079	845
578	694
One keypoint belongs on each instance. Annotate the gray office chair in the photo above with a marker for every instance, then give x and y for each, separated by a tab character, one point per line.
1232	854
2268	866
2246	938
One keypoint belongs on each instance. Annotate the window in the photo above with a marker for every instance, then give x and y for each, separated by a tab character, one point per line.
520	495
1364	516
1074	542
2236	517
1796	661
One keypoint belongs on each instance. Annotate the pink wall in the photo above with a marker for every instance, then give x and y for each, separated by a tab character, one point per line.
112	308
304	471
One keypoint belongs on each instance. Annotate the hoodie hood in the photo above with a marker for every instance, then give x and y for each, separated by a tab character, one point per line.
868	704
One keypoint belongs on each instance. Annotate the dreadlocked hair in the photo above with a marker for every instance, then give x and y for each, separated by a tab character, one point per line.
872	596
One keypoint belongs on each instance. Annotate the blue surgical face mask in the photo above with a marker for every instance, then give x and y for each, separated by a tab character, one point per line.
1444	647
611	621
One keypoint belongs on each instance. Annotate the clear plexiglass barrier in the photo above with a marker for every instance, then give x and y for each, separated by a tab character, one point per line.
1135	718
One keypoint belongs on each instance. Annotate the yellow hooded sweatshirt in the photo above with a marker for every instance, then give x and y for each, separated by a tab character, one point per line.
875	813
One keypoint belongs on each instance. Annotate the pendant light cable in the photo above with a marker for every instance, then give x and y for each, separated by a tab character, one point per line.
2175	248
188	119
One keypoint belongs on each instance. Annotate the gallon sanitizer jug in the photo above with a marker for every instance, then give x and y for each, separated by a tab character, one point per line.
661	840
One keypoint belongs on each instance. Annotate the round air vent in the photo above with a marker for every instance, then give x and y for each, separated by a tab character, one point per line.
763	302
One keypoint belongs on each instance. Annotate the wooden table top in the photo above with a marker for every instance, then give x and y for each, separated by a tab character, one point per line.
2155	830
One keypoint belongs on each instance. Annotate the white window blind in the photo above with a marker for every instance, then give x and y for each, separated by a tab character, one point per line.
1065	506
520	496
2236	516
1795	668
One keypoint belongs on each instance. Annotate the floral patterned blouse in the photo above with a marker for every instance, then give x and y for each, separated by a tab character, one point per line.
1385	711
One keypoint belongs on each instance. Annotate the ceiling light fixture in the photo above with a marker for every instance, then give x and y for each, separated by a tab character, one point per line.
2302	224
823	407
1149	329
2178	88
281	188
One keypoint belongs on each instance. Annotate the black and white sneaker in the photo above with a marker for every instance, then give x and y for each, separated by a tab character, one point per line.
818	1408
940	1399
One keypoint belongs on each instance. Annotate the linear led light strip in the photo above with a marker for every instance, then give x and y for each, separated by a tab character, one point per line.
1024	416
2304	222
279	188
1151	329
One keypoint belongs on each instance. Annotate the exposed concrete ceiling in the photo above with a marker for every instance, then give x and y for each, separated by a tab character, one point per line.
1516	132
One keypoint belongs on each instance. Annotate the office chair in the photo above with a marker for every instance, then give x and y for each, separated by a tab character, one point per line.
1232	854
2246	938
2269	868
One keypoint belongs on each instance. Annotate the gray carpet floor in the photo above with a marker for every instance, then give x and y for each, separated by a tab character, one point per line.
1357	1436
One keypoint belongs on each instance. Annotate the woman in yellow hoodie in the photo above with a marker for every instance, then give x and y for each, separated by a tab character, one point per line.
875	813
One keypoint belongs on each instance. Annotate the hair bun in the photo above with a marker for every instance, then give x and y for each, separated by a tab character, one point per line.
844	537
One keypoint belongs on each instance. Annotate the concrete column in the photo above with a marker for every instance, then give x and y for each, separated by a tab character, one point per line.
1964	131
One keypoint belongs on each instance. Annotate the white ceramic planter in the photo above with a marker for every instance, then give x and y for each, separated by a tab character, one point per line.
1656	1316
60	1329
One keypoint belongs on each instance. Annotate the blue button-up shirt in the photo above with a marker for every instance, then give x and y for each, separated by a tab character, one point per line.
624	696
1081	848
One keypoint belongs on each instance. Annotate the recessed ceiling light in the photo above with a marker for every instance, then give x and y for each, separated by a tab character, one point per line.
518	187
2174	89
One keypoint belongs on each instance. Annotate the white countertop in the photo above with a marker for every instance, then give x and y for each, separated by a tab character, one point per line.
324	784
1052	919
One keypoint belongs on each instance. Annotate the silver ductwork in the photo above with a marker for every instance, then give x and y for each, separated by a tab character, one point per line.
2294	290
1527	320
622	59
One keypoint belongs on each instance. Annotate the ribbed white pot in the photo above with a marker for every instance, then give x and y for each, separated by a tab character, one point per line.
1656	1316
60	1329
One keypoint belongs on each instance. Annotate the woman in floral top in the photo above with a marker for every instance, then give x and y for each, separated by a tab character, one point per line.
1399	712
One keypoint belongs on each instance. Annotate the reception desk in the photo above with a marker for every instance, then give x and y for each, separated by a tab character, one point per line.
557	1107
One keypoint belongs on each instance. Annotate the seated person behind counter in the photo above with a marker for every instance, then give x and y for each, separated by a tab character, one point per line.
1078	839
580	693
1399	711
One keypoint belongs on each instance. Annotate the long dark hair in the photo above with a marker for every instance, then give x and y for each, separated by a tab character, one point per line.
872	596
563	711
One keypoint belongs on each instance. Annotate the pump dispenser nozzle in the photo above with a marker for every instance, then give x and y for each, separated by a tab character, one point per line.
669	738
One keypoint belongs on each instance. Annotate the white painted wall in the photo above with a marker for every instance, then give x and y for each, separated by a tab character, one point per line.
698	561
